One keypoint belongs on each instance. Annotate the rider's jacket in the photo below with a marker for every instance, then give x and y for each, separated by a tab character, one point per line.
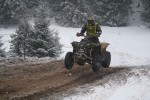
91	29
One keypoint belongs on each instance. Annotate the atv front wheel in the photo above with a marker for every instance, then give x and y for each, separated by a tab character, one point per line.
107	60
69	60
96	60
96	64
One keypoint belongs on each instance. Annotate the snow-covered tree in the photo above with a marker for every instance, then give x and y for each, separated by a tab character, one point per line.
19	10
107	12
20	40
44	42
11	11
112	12
71	13
5	12
146	11
2	51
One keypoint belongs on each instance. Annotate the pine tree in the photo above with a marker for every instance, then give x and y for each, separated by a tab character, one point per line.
71	13
19	10
2	51
5	12
107	12
146	12
20	41
112	12
11	11
44	42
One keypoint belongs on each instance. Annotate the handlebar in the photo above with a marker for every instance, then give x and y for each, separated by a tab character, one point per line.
97	35
91	35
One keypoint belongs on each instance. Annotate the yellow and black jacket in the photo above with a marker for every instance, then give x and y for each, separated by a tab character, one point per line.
91	29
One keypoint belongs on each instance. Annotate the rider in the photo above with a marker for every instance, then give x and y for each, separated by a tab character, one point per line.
92	29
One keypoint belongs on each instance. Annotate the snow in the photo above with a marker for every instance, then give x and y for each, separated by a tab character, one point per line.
128	44
133	86
5	32
137	87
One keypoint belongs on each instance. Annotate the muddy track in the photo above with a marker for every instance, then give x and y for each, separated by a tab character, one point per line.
33	81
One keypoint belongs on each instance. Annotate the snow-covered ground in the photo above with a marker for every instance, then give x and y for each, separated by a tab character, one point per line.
126	85
129	46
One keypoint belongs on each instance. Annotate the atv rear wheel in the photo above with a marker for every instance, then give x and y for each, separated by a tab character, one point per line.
69	60
107	60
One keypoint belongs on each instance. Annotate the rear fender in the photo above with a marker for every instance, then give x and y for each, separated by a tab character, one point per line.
104	46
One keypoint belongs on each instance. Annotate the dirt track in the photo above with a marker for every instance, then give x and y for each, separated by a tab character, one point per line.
33	81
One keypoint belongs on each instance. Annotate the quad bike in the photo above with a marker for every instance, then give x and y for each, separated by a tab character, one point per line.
88	52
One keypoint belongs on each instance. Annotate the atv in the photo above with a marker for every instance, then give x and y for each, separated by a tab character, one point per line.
84	52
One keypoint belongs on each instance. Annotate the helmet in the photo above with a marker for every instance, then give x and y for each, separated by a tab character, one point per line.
90	20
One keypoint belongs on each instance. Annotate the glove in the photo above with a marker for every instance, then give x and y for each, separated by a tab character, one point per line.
99	33
78	34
